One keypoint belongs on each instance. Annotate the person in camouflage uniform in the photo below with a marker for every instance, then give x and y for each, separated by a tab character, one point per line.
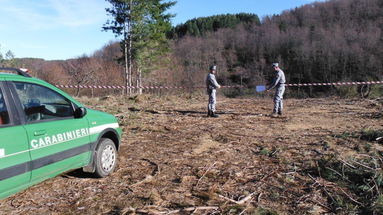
279	83
211	87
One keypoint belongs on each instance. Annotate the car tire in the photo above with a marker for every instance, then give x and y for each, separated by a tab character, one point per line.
105	158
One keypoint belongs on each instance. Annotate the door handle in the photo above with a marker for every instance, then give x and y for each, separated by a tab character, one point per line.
40	133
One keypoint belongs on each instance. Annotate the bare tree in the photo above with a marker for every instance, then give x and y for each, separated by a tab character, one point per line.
82	71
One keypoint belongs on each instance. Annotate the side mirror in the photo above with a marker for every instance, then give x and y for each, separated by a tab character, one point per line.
79	112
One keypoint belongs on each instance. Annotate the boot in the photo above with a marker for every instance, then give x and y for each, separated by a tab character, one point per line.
274	115
209	113
213	115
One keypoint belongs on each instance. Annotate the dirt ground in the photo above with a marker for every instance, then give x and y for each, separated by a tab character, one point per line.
175	160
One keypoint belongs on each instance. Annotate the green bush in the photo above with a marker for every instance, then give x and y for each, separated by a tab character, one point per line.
370	135
361	177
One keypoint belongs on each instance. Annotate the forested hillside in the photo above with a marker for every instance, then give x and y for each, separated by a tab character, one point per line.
338	40
101	68
322	42
201	26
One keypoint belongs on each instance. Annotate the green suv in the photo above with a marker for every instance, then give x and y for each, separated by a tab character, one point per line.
44	132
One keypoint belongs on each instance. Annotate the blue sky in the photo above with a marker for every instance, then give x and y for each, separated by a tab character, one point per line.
63	29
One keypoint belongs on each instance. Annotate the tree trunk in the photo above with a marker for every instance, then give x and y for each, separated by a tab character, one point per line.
139	81
130	48
126	69
130	65
128	53
78	90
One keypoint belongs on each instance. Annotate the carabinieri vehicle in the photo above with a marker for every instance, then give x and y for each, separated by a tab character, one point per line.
44	132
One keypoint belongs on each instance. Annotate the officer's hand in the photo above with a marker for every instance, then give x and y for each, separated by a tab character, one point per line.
219	86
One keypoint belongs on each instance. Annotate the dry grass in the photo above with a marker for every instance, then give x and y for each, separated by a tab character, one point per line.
173	157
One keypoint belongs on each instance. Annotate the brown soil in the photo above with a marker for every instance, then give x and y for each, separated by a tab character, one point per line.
174	158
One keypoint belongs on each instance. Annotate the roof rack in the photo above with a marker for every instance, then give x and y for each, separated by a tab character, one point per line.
18	71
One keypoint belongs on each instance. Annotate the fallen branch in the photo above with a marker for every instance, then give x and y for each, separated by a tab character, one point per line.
191	209
259	197
321	182
377	187
363	165
348	164
157	212
336	172
306	198
147	179
324	185
245	199
247	207
156	169
205	173
319	203
248	197
350	197
272	154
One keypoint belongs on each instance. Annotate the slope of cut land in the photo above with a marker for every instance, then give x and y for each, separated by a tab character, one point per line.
175	160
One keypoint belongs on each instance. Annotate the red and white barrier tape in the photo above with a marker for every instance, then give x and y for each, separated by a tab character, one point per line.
132	87
335	84
234	86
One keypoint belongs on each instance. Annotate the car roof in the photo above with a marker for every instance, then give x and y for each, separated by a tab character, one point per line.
21	71
23	76
8	75
17	74
11	76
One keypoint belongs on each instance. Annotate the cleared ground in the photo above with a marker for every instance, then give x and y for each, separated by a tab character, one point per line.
176	160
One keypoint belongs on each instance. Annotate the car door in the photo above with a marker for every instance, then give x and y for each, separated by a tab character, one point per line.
58	141
15	158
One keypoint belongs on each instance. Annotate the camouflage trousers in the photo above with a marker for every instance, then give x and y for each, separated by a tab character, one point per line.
212	100
278	99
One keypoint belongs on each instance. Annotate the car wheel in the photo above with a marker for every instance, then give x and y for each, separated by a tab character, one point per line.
106	158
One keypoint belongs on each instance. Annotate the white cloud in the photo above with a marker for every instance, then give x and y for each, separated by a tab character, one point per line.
50	14
74	13
24	18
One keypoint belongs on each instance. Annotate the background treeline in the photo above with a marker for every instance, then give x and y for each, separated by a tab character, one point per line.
201	26
338	40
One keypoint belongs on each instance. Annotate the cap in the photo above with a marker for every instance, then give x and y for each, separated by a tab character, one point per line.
214	67
275	65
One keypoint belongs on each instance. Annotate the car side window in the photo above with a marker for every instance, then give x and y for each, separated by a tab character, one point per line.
4	115
41	103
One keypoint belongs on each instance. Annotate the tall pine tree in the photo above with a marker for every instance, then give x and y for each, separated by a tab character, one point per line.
143	25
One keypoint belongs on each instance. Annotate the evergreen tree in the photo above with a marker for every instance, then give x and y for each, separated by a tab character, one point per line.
201	26
142	25
150	41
